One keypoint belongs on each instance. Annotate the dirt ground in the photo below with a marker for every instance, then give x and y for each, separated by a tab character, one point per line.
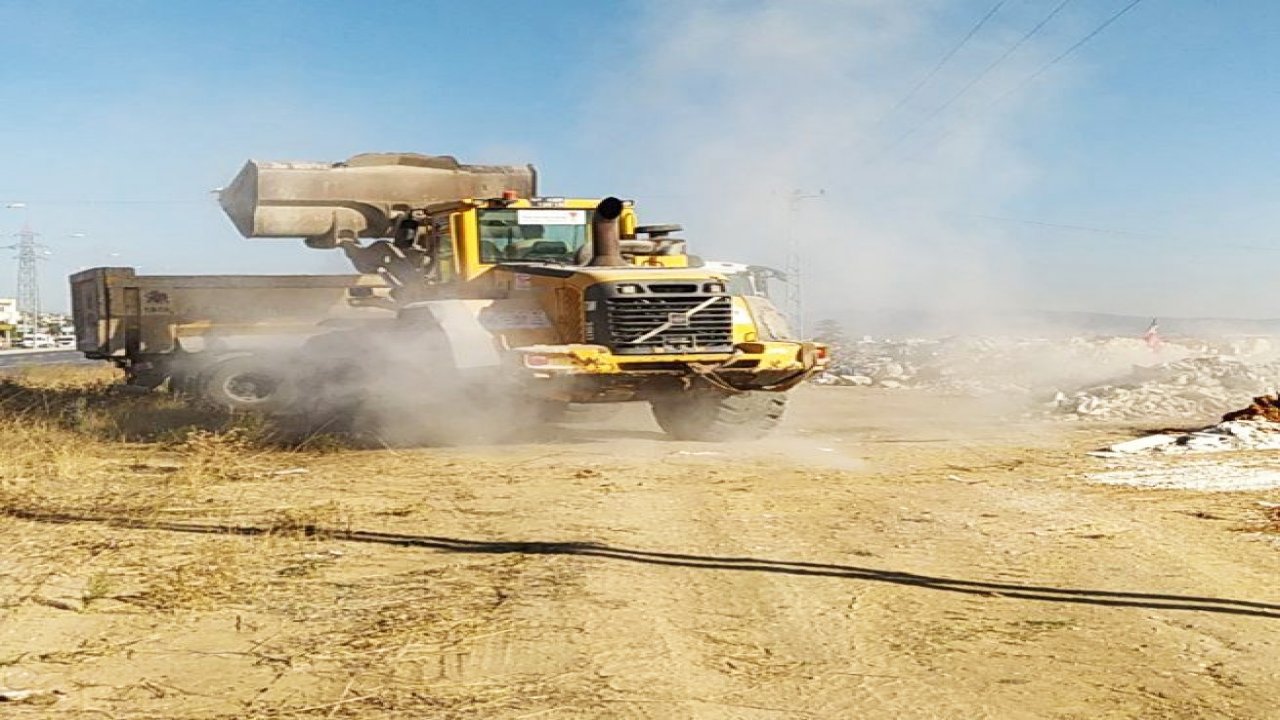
888	555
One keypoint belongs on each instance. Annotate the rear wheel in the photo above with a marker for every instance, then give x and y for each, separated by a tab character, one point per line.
249	383
712	415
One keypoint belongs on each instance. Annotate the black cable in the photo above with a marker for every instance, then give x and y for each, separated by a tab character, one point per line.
945	59
1098	230
1044	68
1081	228
979	77
1105	24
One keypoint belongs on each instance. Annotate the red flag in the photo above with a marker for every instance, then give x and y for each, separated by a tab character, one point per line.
1152	336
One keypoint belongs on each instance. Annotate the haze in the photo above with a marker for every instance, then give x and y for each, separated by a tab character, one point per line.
1133	175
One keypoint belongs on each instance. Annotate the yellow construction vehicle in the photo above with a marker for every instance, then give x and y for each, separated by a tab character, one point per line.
550	299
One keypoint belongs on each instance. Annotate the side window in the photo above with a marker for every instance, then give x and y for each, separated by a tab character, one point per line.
740	284
533	234
498	230
441	250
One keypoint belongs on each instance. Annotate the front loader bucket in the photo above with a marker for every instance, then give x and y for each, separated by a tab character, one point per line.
328	202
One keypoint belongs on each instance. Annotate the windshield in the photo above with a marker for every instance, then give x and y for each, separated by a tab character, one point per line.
740	284
533	235
748	281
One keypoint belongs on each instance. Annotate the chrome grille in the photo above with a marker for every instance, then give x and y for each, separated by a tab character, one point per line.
662	322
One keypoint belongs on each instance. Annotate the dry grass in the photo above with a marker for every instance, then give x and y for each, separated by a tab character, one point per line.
1270	519
77	441
206	575
104	494
92	403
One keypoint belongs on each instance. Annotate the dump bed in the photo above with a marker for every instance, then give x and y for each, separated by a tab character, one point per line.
118	313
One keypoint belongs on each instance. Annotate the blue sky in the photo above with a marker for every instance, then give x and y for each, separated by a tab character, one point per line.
120	117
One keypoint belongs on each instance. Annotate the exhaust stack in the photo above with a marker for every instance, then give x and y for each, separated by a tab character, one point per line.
606	244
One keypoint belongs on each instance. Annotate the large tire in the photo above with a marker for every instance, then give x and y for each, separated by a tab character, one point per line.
250	383
712	416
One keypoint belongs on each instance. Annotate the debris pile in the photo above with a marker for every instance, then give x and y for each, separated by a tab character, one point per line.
1194	387
1263	407
887	364
977	366
1228	435
1096	378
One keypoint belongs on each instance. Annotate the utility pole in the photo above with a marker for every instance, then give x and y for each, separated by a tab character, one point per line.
28	278
795	261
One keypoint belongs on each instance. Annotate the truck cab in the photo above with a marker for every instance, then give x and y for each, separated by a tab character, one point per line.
569	290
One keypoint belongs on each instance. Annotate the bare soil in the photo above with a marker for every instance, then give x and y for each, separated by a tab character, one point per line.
888	555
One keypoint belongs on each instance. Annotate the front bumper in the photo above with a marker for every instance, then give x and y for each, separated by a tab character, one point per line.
771	365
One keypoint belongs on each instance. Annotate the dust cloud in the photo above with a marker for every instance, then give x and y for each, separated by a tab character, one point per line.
407	382
756	124
753	123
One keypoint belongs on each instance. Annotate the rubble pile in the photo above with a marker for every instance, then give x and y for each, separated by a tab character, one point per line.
1190	388
977	366
1228	435
1098	378
887	364
1264	407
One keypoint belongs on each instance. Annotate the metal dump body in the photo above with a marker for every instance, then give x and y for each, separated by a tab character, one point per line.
119	314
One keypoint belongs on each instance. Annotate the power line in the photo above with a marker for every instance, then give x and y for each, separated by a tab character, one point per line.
1081	228
1092	34
1118	232
945	59
1059	58
979	77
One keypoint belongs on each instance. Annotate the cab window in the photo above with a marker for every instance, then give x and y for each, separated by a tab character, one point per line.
553	235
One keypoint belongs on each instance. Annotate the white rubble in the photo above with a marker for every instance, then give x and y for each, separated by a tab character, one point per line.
847	380
1095	378
1231	435
979	366
1149	442
1202	387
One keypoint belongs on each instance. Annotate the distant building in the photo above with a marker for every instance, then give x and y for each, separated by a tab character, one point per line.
9	312
9	319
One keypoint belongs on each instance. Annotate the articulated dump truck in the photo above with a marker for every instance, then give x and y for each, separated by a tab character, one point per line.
497	301
224	338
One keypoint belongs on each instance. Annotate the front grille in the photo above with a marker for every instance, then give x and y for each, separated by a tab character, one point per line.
651	319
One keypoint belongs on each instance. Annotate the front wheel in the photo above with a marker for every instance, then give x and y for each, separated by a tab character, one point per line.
712	415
